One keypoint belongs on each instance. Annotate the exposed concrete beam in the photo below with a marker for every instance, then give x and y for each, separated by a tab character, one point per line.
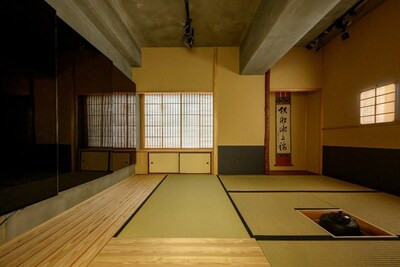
277	26
105	18
74	16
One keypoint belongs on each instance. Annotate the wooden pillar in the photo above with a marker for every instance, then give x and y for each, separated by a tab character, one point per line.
267	124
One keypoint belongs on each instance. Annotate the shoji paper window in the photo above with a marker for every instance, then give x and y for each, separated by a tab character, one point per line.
178	120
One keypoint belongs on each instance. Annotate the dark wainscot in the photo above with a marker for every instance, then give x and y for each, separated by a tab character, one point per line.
240	160
376	168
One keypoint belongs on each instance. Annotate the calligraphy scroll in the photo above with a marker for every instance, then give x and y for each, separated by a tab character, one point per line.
283	129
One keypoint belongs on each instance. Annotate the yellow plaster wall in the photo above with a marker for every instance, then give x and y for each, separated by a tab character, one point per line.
239	99
300	72
299	69
369	57
313	131
240	102
175	70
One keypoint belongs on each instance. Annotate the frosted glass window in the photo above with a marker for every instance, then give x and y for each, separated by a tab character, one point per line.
378	105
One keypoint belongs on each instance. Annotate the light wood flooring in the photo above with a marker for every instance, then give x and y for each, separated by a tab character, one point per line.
83	235
181	252
76	236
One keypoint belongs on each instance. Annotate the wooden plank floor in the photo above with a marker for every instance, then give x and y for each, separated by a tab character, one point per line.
181	252
76	236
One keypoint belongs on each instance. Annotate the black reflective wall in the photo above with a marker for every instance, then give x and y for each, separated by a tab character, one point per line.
45	67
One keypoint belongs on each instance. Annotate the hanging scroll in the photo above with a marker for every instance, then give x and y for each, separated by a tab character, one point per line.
283	129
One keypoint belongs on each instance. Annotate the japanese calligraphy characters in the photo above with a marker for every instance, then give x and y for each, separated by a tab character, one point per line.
283	129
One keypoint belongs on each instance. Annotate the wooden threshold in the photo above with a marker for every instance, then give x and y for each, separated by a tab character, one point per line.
181	251
291	172
77	235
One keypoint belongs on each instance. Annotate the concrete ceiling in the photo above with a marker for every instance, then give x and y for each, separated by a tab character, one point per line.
265	30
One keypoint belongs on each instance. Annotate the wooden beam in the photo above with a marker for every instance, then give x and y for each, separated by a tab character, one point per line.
267	124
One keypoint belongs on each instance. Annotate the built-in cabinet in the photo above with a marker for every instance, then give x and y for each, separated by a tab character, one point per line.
120	160
94	161
163	162
179	162
195	163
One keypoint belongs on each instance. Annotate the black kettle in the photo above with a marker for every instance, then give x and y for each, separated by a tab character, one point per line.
340	224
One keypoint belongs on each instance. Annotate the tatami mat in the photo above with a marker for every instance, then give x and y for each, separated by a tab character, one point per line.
332	253
187	206
303	183
274	214
380	209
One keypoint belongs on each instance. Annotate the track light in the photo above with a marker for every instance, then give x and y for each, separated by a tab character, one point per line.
341	24
188	37
316	44
345	36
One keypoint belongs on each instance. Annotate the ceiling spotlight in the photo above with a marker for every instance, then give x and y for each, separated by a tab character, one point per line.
345	36
316	44
188	36
340	25
188	30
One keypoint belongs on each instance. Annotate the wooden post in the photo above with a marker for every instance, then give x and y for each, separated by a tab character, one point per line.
267	119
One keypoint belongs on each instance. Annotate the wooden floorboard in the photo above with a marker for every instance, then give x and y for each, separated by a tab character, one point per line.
83	235
77	235
42	231
181	252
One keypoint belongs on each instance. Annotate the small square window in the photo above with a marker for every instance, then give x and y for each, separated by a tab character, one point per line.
378	105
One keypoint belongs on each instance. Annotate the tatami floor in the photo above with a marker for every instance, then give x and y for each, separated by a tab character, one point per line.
239	221
271	208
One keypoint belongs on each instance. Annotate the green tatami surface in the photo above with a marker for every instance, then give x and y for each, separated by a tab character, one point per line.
187	206
275	214
332	253
287	183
